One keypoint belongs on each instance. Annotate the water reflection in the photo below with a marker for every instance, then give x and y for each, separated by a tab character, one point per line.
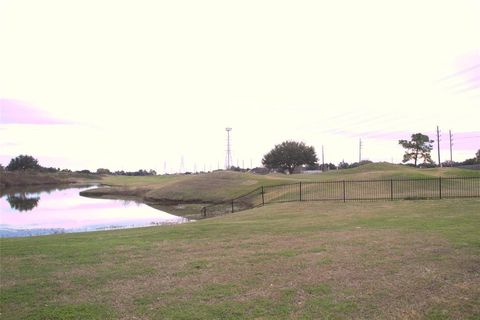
22	201
62	209
44	189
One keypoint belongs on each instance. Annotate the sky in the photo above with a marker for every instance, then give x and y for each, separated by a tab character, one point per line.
130	85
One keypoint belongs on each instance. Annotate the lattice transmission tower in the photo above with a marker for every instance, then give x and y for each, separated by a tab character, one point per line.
228	157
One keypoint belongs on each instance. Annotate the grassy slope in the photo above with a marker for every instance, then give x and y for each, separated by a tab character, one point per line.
390	171
220	186
34	178
374	260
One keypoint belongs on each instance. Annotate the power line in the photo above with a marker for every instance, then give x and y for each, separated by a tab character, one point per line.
472	137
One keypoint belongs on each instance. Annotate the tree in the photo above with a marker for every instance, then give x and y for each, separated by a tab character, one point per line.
23	162
103	171
472	161
343	165
288	155
417	148
22	202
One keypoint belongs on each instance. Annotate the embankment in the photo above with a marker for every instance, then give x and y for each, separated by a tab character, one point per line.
10	179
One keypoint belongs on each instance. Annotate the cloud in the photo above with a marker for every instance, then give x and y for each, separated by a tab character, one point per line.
471	70
18	112
466	77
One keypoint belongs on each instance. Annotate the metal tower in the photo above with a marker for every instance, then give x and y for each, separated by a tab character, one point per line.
228	161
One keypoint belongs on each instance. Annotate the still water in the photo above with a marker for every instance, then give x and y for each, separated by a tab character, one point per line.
46	211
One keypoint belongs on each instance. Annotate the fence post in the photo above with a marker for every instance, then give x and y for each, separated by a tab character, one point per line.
440	186
263	197
344	192
300	191
232	206
391	189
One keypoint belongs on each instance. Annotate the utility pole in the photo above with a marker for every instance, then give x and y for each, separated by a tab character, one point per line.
450	134
182	165
360	151
438	146
323	159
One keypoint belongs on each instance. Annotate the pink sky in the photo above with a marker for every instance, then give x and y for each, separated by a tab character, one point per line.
154	86
18	112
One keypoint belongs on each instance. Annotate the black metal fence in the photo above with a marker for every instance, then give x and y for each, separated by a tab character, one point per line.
406	189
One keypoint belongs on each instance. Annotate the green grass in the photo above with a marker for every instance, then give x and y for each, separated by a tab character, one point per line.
400	259
386	171
216	186
187	194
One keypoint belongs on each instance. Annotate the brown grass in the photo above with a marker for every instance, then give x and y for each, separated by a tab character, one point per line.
397	275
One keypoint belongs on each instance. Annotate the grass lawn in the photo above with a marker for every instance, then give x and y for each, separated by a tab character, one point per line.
315	260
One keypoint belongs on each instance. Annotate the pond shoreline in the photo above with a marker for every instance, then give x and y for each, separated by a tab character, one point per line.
16	181
12	179
190	209
64	210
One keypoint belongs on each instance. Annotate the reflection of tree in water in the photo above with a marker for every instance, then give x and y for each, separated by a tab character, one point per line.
22	202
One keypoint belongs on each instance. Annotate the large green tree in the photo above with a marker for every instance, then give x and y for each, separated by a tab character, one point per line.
418	147
289	155
23	162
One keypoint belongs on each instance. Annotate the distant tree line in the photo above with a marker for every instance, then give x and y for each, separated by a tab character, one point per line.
469	162
292	156
140	172
26	162
289	156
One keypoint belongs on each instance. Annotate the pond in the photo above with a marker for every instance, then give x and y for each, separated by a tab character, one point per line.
40	211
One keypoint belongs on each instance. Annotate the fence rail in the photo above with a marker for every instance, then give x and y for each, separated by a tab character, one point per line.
367	190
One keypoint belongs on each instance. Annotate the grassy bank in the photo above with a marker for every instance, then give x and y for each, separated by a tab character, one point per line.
395	260
186	194
13	179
